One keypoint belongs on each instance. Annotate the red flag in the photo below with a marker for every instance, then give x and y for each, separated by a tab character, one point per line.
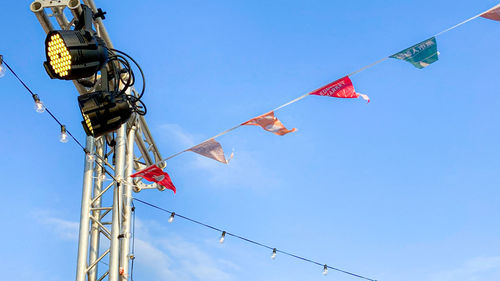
270	123
493	13
341	88
155	174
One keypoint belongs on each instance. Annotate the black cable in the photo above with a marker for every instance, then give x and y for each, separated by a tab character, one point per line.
137	104
33	95
251	241
58	122
117	73
140	69
133	242
27	88
87	153
139	109
159	208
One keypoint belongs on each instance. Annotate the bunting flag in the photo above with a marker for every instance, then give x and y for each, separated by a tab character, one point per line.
270	123
211	149
341	88
155	174
421	54
493	14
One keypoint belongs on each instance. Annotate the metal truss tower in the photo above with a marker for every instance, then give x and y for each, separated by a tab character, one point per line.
105	219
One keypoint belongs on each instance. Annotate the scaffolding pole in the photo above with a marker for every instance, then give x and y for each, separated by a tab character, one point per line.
105	217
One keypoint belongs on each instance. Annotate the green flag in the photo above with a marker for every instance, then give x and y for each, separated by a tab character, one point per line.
421	54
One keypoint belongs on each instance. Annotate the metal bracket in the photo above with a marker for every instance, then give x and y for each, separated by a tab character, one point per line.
51	3
139	185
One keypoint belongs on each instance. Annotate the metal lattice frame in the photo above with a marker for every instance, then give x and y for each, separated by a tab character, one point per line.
105	219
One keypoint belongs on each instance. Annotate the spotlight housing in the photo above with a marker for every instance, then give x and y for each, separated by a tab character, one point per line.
74	54
103	113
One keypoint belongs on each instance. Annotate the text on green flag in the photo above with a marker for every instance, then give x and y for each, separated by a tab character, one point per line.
421	54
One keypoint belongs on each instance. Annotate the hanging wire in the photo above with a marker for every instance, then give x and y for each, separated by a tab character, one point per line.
130	82
226	233
308	94
35	97
132	257
142	110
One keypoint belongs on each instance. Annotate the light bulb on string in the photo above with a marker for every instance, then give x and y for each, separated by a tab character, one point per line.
171	219
222	237
2	67
325	269
39	107
273	256
64	135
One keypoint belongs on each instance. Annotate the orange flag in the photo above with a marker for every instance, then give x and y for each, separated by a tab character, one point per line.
270	123
211	149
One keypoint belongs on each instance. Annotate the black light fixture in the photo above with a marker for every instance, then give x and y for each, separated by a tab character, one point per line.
75	54
80	53
103	113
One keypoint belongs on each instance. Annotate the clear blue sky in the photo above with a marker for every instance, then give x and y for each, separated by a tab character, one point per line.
404	188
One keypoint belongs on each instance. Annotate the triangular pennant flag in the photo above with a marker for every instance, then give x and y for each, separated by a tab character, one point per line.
270	123
493	13
421	54
155	174
341	88
211	149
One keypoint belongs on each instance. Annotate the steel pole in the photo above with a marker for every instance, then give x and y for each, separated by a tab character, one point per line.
75	7
83	239
37	8
96	212
127	206
114	256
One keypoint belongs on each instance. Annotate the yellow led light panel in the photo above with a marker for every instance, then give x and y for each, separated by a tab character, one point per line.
59	57
87	121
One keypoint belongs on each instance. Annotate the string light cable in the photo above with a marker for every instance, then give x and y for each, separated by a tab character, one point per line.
172	214
274	250
132	254
40	107
141	109
138	108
